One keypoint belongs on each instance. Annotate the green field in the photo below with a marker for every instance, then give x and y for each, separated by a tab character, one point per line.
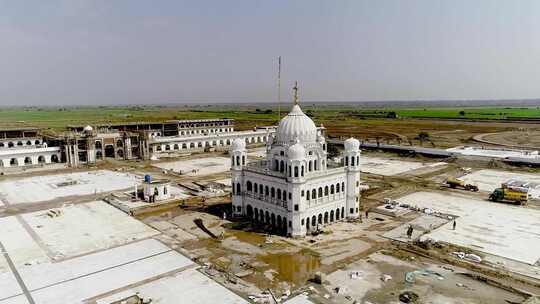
459	112
245	116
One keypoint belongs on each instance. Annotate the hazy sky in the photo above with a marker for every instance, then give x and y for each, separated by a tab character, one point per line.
115	51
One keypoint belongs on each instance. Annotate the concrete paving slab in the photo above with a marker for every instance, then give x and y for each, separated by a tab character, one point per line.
107	280
79	267
389	167
299	299
49	187
8	284
504	230
15	300
198	166
189	286
85	228
19	244
421	225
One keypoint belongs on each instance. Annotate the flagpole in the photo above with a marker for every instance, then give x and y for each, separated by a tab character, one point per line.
279	88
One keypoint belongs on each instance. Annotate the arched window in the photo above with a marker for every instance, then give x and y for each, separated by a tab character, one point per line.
276	165
295	171
320	192
266	190
10	144
175	147
326	191
310	166
249	186
346	160
342	186
332	190
28	143
314	194
302	173
237	160
272	192
315	166
284	195
238	189
307	195
1	145
184	146
98	145
256	188
167	148
278	194
337	188
352	161
281	166
243	160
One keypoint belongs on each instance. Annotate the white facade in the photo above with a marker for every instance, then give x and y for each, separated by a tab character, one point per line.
189	143
31	155
156	190
297	189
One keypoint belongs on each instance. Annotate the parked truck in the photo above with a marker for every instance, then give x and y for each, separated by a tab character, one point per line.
510	195
453	182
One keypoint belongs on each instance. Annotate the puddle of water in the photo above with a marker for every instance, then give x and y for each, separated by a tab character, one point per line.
248	237
295	267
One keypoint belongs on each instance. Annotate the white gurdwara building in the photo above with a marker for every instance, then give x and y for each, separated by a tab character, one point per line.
297	189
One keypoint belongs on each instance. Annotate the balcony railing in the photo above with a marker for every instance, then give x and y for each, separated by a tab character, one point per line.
267	199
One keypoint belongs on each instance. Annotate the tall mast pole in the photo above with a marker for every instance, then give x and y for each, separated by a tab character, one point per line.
279	88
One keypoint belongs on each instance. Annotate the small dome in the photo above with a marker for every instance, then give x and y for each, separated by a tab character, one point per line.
88	129
296	125
296	152
238	145
352	144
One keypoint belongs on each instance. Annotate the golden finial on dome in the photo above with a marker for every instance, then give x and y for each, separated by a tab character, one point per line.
295	89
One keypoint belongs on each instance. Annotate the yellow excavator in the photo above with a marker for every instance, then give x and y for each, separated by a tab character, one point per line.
454	183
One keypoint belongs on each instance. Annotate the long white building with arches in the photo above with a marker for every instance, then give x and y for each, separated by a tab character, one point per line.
161	145
297	189
23	147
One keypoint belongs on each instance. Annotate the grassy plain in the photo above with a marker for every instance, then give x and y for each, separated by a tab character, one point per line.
446	126
245	115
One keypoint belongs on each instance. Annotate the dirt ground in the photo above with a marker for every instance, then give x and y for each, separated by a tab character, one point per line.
354	262
251	261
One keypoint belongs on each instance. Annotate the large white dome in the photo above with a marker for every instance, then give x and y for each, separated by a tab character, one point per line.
296	125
